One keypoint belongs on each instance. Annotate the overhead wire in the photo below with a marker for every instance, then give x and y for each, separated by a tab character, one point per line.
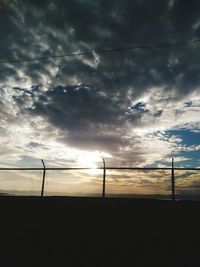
104	51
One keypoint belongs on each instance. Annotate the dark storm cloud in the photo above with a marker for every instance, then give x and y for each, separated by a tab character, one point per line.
88	118
99	88
79	105
34	28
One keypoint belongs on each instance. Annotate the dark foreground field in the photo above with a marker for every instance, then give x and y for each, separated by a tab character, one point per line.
65	231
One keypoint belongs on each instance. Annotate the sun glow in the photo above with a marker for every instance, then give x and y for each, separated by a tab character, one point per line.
91	159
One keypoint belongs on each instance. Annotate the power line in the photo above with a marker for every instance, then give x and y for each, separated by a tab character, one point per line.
104	51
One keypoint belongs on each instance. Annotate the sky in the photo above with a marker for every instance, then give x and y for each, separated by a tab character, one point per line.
136	108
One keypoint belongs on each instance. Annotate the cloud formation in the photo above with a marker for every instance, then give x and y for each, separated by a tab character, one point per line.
123	103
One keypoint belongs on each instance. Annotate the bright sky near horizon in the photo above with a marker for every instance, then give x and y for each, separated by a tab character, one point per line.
134	108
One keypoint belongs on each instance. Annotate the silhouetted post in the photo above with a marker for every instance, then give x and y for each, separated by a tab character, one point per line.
43	179
173	181
104	179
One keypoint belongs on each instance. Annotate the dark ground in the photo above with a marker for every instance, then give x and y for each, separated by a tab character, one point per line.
61	231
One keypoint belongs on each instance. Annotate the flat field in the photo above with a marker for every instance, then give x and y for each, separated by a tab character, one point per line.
74	231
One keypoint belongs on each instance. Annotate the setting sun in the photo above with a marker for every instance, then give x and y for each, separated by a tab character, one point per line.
92	160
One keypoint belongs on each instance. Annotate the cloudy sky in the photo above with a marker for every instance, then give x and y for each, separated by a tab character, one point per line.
138	107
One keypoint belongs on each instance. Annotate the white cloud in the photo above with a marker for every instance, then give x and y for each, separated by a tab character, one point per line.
61	130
